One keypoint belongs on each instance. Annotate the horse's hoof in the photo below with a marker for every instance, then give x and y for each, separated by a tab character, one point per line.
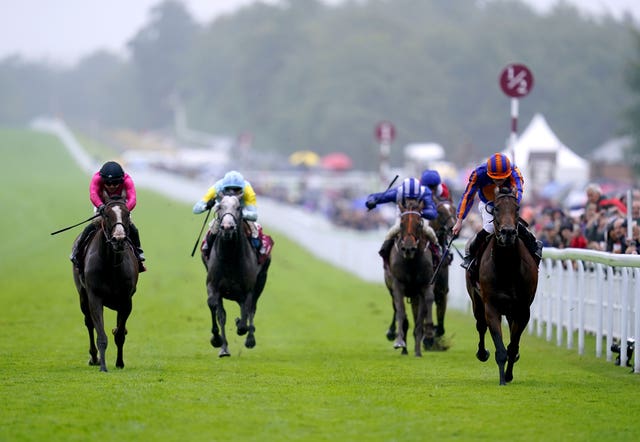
216	341
121	366
428	343
391	335
508	377
250	342
482	356
94	362
404	351
223	354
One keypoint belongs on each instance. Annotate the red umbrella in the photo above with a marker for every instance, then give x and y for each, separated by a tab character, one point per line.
336	161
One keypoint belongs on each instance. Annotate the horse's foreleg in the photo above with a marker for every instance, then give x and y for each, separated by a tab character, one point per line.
441	291
222	319
245	308
418	309
495	328
98	323
402	323
120	333
88	323
481	326
216	339
517	327
428	328
250	342
391	331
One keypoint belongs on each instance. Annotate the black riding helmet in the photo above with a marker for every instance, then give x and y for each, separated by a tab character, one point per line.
112	172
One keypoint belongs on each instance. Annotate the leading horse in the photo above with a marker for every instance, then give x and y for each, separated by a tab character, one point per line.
108	279
408	276
234	274
504	284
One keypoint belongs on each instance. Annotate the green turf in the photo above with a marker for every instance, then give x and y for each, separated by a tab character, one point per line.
322	368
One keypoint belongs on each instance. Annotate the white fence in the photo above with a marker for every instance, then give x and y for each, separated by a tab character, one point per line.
580	292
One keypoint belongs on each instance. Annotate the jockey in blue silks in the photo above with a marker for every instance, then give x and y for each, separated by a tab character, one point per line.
409	189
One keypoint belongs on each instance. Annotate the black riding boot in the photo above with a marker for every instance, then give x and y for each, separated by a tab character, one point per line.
134	235
79	245
534	246
480	237
385	251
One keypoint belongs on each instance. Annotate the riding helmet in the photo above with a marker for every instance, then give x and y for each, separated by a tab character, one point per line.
430	178
112	171
498	166
411	188
233	180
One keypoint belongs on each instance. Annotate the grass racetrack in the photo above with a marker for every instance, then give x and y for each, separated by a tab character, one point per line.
322	368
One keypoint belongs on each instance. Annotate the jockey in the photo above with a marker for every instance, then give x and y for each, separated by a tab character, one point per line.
410	189
497	171
431	179
233	183
110	181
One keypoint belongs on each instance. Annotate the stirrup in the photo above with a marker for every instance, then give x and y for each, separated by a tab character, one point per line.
466	263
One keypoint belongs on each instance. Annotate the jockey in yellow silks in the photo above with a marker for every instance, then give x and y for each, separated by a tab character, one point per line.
233	183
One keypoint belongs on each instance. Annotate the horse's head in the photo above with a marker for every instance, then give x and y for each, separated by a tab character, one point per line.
411	229
505	216
229	215
115	223
445	220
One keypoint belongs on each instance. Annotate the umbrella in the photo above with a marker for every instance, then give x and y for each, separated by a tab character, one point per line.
306	158
337	161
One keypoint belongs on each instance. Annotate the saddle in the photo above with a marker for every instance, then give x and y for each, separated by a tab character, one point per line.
263	252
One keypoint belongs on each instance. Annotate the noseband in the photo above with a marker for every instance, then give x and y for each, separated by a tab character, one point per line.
116	243
500	235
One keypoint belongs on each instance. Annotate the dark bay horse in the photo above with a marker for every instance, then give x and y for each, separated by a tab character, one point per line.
442	225
109	280
407	277
234	274
504	285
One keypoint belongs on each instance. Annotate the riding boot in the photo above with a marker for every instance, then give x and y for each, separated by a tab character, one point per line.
134	235
78	246
475	243
534	246
385	251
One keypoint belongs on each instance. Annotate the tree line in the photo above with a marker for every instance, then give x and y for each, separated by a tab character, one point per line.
301	75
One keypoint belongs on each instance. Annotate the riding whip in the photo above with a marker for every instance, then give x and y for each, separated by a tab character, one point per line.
75	225
195	246
444	255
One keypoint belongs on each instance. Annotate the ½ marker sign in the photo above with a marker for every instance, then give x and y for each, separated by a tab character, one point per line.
516	80
385	132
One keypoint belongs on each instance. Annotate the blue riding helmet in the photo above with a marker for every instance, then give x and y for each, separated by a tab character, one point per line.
232	181
430	178
411	188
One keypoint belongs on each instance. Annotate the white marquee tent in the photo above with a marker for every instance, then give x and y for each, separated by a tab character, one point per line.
543	158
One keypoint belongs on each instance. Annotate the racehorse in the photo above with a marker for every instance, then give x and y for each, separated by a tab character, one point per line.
108	279
504	284
234	274
408	275
442	225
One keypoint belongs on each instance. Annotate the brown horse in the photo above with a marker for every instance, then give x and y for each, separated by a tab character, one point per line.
408	275
109	280
442	225
234	274
504	285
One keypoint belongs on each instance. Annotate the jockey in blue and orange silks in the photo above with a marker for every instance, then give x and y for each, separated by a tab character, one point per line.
497	171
